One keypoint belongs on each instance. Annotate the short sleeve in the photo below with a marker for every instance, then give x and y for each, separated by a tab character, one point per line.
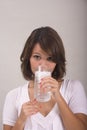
10	113
78	100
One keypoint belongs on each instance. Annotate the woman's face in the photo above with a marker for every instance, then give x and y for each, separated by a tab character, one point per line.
39	57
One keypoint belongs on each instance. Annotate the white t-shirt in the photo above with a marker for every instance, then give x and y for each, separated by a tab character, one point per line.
72	92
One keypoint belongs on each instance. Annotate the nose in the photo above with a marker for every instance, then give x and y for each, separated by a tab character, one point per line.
43	63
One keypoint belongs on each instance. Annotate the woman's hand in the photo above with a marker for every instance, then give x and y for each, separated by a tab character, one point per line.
51	84
28	109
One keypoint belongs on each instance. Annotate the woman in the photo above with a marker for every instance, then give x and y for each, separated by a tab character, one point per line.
67	108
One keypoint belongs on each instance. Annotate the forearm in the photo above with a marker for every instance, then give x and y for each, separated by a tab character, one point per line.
19	125
70	120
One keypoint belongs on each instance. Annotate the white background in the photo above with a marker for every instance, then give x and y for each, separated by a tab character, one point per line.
19	17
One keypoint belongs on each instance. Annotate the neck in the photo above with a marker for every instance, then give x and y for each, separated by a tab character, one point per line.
31	84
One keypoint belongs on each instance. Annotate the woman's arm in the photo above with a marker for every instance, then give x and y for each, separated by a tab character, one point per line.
70	120
19	125
28	109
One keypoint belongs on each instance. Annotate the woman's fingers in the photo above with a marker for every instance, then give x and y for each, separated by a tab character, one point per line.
29	108
49	84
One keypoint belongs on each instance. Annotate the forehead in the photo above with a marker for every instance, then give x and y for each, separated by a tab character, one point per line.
38	49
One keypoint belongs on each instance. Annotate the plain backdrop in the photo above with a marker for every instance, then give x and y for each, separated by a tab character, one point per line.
19	17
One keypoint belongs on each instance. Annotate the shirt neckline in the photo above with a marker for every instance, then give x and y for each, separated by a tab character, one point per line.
44	121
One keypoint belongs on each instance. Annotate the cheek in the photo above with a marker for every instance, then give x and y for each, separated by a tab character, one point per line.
52	66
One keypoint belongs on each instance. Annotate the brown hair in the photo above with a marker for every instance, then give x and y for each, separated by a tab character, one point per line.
51	43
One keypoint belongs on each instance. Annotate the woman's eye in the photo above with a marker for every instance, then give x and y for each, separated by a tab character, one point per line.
37	57
50	58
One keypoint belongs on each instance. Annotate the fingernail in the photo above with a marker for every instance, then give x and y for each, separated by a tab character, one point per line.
40	85
40	106
35	99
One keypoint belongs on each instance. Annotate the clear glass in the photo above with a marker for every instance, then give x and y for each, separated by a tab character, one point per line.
41	96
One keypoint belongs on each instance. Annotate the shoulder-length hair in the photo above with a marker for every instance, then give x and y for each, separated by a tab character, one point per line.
50	42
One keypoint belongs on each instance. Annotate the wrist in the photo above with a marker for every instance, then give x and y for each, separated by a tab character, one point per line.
21	121
58	96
